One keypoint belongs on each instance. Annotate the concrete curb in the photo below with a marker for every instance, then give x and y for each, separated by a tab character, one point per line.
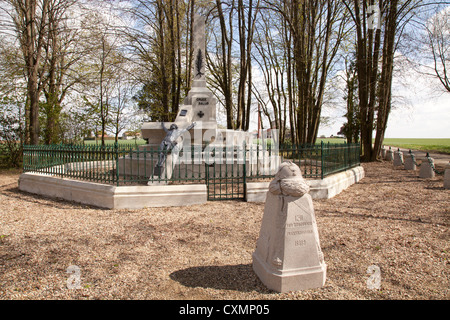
136	197
319	189
113	197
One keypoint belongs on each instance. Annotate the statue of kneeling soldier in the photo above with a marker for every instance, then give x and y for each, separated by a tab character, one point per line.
169	143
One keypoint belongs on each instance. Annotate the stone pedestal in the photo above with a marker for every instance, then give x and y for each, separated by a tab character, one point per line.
410	162
447	176
398	158
162	175
288	256
426	169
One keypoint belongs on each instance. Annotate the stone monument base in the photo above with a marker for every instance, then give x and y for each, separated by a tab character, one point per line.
289	280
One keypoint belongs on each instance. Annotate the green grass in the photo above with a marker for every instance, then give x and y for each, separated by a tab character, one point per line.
111	142
435	145
331	140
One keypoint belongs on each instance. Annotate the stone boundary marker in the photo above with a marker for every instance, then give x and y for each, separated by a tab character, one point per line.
427	167
398	158
389	155
447	176
410	162
288	256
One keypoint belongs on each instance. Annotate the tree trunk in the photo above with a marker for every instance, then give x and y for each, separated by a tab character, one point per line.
385	94
32	40
226	64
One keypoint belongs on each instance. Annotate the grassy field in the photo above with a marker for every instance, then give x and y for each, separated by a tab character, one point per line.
111	142
436	145
331	140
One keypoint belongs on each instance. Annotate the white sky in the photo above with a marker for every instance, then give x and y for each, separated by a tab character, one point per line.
421	107
422	112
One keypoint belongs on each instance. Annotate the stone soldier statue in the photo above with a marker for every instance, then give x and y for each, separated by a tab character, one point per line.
170	141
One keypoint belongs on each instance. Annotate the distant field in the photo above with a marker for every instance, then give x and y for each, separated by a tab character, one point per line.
331	140
437	145
111	142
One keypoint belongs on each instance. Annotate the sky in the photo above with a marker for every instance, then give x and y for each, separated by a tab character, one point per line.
421	106
421	110
427	116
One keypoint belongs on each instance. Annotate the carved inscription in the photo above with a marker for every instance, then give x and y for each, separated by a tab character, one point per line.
300	243
297	234
203	101
298	224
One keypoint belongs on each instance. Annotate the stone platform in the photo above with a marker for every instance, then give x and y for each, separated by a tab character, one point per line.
319	189
113	197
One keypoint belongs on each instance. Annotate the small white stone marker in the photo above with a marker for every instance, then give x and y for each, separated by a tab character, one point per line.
390	155
398	158
288	256
426	168
410	161
447	176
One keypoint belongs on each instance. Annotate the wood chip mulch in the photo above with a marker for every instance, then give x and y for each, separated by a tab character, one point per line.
391	219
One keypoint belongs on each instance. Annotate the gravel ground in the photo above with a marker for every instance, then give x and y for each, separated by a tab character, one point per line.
391	219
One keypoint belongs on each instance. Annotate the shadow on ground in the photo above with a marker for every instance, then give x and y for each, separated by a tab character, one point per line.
230	277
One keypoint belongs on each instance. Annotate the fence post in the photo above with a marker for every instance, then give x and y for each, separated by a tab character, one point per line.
345	155
116	155
244	169
321	160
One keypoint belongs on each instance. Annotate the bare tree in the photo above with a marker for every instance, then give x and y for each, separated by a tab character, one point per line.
375	49
102	63
273	58
316	29
247	16
121	103
156	43
438	43
30	21
221	66
60	53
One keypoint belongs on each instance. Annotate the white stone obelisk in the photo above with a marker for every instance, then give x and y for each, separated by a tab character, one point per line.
199	47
